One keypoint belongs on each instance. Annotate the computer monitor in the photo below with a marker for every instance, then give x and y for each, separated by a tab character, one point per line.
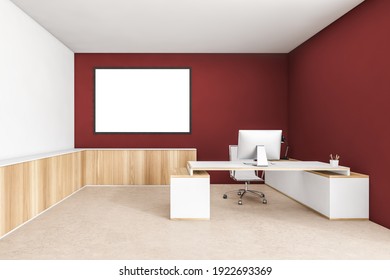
248	140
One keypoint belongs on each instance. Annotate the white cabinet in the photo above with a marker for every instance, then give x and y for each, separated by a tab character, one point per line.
190	195
333	195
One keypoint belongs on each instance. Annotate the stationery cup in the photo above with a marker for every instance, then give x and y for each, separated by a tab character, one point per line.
334	162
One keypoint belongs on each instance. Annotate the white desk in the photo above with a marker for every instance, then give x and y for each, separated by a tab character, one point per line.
332	191
272	166
189	195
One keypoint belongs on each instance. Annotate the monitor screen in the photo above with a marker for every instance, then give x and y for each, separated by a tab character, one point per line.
248	140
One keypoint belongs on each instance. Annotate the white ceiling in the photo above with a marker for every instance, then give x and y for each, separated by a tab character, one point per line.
185	26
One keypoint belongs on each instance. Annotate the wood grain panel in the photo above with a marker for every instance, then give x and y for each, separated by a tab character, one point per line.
136	167
154	168
13	206
120	167
174	160
105	167
90	167
78	170
14	185
38	181
4	201
26	189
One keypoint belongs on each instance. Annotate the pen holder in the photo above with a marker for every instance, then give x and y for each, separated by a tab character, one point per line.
334	162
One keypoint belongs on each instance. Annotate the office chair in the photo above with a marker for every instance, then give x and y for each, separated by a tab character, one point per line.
244	176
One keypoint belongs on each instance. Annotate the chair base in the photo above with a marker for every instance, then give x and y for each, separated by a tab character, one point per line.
242	192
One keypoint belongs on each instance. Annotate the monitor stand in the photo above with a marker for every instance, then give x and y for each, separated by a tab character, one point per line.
261	156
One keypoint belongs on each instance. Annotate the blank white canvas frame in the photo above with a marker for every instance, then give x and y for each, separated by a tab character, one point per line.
142	100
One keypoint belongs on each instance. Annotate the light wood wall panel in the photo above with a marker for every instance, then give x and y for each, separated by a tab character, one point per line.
137	164
28	188
16	193
3	207
90	167
134	167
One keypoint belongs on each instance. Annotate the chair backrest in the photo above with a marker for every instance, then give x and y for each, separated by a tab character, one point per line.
232	156
249	174
233	152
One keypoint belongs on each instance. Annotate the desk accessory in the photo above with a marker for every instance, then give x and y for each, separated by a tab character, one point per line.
284	141
334	161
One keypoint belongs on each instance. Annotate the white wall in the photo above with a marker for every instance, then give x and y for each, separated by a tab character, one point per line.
36	87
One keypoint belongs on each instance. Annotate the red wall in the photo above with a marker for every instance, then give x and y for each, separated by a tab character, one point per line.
229	92
339	98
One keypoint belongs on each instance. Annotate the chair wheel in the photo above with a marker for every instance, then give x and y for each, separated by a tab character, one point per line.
240	202
238	193
224	196
262	195
265	201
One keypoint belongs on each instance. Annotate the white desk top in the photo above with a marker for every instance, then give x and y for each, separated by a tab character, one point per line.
272	166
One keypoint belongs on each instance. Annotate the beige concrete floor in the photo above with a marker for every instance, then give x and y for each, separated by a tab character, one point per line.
132	222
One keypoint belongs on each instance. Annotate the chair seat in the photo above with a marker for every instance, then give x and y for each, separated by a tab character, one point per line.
242	176
246	176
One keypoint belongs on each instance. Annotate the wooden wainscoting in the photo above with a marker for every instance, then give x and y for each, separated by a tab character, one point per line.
133	167
28	188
